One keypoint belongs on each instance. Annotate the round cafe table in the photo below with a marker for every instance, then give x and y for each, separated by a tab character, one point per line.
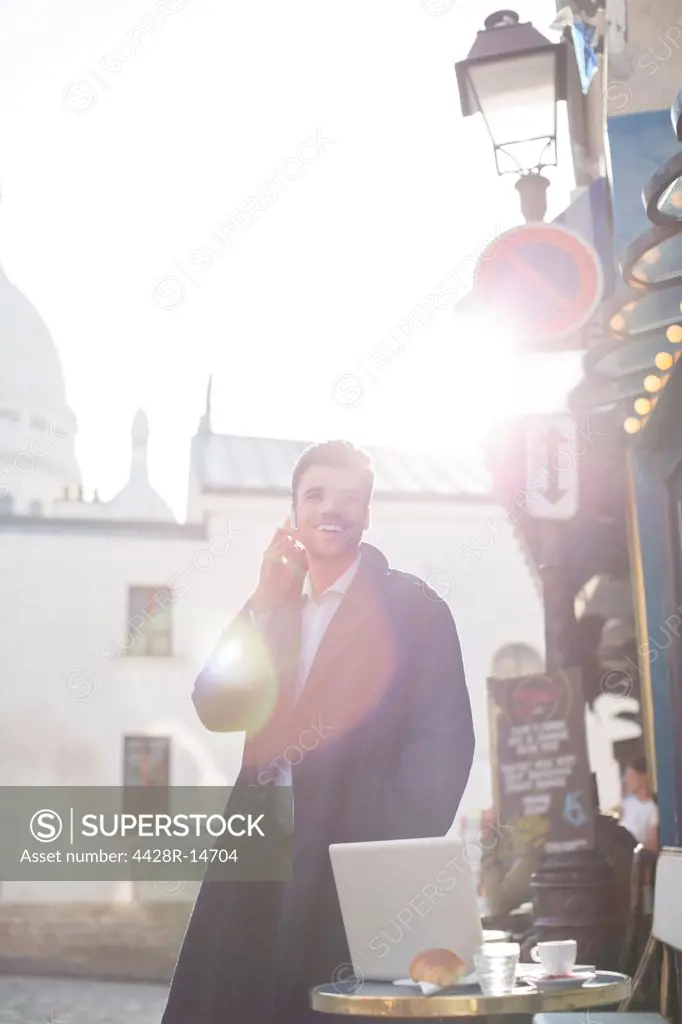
381	999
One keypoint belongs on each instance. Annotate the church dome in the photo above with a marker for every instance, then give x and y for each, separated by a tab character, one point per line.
30	369
37	427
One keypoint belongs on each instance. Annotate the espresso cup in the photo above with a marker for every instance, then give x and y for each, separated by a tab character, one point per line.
557	958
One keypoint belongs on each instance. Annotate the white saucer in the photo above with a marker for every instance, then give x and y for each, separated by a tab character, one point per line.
547	983
536	970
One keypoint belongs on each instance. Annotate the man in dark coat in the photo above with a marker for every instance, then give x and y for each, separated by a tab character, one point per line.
346	677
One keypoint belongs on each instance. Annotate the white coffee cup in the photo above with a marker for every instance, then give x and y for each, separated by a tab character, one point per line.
557	958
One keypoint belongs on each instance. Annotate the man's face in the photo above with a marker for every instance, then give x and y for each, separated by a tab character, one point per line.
632	780
331	510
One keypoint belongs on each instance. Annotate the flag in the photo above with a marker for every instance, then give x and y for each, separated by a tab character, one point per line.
585	44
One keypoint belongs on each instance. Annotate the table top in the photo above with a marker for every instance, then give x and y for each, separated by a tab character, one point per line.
383	999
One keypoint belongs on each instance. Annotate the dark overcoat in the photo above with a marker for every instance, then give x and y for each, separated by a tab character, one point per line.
388	748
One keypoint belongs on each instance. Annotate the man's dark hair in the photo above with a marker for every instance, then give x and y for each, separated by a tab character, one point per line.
339	455
638	764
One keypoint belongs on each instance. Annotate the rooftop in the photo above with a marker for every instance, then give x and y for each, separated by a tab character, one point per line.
226	463
140	529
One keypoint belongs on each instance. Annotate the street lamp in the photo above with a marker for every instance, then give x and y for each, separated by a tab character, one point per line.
515	78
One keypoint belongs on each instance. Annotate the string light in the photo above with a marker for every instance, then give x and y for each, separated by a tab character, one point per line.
664	361
652	383
632	425
674	333
617	322
642	406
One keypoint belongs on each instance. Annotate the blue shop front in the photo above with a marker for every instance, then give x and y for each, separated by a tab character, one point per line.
633	378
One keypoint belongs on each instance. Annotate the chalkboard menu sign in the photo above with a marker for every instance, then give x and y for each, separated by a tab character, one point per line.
541	773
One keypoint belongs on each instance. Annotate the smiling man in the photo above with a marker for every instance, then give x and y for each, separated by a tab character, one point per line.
346	676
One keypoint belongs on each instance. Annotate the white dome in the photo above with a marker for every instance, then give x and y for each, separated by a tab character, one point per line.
30	369
37	427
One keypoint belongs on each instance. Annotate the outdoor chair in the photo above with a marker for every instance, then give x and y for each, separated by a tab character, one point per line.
641	909
661	952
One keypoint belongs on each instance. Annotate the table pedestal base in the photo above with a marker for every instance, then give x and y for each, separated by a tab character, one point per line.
575	897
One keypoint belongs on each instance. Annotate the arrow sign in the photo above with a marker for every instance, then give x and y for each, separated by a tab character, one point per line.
553	448
555	445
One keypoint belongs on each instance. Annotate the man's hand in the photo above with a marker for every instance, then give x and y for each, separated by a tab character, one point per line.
493	842
487	822
282	572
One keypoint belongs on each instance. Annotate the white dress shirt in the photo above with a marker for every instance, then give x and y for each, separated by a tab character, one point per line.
316	616
639	817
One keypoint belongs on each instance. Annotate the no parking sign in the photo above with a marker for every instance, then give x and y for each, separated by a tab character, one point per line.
546	278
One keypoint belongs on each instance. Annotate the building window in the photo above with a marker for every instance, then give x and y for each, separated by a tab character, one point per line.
146	761
6	505
146	774
149	625
10	415
515	660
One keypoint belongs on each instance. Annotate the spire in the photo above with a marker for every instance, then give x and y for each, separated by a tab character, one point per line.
205	424
140	439
140	428
138	500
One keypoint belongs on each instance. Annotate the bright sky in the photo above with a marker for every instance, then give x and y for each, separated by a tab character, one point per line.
131	131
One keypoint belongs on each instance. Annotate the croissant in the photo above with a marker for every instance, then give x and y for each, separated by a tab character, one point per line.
438	966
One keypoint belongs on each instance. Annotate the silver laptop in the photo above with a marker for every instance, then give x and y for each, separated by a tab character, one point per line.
400	897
